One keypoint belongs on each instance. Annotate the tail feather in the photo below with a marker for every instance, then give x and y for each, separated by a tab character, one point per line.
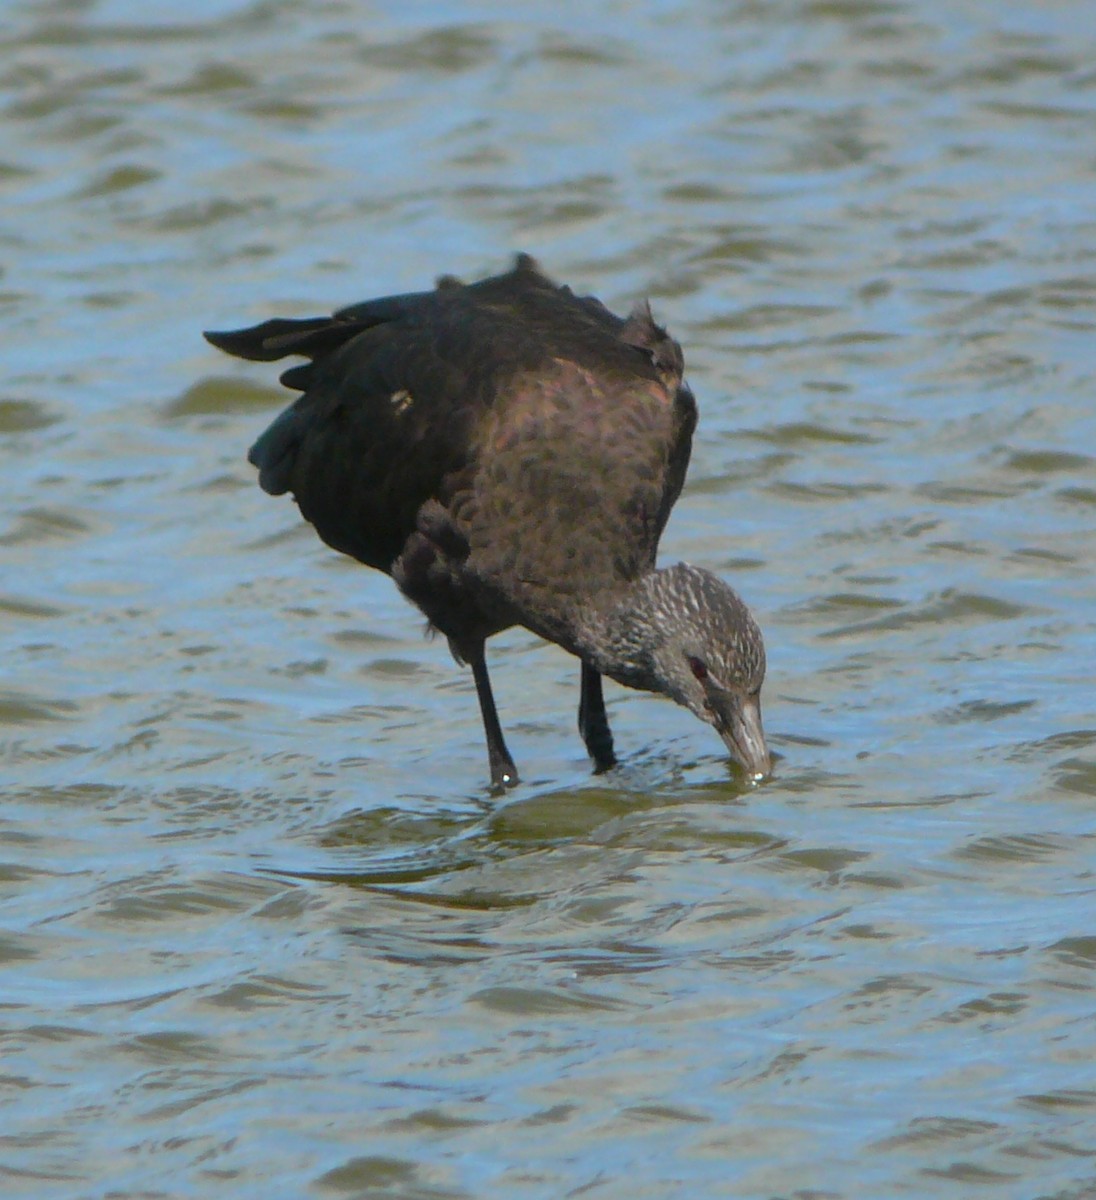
299	378
280	337
275	450
313	337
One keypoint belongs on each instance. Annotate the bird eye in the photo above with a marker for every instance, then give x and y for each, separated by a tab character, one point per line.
698	668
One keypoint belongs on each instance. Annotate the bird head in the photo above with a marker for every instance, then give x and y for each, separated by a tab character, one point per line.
697	642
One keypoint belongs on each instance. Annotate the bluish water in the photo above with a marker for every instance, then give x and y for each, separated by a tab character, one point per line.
263	931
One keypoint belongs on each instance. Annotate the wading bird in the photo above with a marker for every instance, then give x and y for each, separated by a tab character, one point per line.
509	453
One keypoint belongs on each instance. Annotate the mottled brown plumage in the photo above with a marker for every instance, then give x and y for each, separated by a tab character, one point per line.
510	452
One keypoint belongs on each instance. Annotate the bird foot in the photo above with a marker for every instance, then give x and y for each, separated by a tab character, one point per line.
503	778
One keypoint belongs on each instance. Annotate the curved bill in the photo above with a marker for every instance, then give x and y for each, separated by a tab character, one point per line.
738	720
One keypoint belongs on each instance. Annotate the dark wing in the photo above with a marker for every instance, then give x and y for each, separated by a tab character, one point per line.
314	338
677	465
463	396
668	361
383	423
587	454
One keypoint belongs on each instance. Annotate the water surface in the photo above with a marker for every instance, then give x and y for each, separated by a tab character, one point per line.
264	931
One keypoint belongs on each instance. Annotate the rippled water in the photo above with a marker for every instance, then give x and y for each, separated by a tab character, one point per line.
264	933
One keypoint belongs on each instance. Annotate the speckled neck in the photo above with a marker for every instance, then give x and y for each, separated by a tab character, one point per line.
620	630
625	633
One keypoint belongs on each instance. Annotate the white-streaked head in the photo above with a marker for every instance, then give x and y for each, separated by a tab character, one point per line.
687	634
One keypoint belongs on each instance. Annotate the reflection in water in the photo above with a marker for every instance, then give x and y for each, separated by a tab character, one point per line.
261	934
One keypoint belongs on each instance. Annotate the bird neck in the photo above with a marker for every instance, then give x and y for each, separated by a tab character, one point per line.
620	630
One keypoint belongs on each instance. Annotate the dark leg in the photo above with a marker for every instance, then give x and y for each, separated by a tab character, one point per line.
503	772
593	724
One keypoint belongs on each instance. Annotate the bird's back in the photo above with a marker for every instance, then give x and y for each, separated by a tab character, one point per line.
553	434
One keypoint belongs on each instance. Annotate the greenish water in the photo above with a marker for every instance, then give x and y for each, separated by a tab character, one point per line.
263	933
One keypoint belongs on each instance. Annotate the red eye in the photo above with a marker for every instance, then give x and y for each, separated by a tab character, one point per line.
698	669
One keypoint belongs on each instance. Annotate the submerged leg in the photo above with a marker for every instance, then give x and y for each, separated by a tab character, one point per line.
503	772
593	724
